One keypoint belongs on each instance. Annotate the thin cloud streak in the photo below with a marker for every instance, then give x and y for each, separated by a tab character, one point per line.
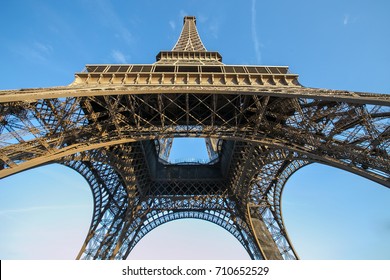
172	24
214	28
36	52
119	57
346	19
40	208
183	14
255	39
8	213
202	18
112	19
43	48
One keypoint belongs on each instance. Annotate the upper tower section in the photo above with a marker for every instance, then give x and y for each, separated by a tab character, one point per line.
189	39
188	63
189	48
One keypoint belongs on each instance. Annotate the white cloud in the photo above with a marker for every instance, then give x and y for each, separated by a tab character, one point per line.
119	57
214	28
6	212
172	24
36	52
183	13
111	18
125	35
201	18
346	19
43	48
255	39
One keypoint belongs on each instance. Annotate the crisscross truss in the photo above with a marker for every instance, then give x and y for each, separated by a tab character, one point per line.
352	136
115	124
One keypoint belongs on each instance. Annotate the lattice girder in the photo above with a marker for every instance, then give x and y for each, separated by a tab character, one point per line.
274	168
139	214
116	229
346	135
113	195
211	209
189	39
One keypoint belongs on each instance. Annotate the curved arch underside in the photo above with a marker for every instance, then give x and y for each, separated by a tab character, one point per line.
129	204
264	138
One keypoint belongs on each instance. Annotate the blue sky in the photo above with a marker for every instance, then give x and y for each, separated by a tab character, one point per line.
45	213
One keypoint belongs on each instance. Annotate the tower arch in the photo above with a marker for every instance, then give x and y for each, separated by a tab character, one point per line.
189	239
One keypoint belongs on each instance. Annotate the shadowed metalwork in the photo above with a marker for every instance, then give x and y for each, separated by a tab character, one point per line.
115	124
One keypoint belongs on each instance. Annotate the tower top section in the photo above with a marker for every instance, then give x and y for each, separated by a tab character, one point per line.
188	63
189	48
189	39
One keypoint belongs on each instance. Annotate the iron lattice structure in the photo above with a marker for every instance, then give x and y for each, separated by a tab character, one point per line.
115	124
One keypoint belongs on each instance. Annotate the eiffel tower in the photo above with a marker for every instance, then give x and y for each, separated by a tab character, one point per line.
115	125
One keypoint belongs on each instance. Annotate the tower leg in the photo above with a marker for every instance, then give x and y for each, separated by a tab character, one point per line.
263	237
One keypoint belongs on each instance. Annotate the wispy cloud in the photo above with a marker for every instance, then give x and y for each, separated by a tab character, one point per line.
349	19
8	212
111	18
37	52
214	28
255	39
346	19
119	57
43	48
202	18
183	13
213	24
172	24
